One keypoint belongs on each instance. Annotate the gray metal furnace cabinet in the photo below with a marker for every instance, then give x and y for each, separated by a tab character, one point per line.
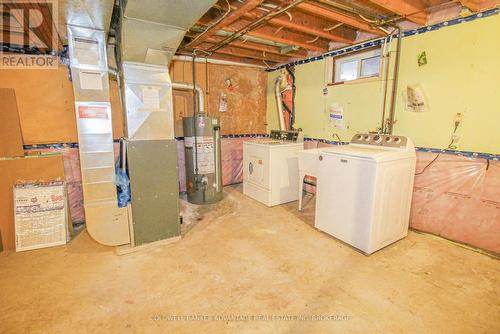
154	184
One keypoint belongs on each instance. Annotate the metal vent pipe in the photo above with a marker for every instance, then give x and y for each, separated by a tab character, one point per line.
190	87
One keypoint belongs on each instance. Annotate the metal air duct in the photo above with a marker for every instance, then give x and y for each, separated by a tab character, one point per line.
150	33
153	29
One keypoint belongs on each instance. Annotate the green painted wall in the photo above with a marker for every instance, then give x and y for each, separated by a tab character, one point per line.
462	75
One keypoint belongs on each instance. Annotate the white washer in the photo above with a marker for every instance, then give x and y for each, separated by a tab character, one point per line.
364	190
270	170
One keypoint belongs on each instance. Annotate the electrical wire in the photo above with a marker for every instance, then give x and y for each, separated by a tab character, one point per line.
212	25
428	165
450	146
335	26
313	40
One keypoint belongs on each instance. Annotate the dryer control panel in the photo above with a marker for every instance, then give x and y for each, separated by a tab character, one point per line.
380	140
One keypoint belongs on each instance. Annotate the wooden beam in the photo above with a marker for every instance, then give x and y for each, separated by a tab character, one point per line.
228	50
288	37
340	17
479	5
284	36
412	10
261	47
232	17
233	58
254	54
310	25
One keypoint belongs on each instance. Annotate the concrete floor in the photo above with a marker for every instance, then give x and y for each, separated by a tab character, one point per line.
239	258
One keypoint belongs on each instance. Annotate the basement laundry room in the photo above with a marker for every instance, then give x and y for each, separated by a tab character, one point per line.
250	166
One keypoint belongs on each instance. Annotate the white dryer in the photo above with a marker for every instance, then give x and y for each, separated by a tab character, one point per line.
364	190
270	168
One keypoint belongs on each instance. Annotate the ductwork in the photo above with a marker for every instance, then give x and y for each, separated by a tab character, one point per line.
152	30
189	87
91	14
279	102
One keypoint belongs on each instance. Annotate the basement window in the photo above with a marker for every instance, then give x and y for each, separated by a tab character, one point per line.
360	65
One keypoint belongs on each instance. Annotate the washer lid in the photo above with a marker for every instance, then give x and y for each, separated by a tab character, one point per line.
376	154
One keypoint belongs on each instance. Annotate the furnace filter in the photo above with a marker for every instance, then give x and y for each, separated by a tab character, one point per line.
202	149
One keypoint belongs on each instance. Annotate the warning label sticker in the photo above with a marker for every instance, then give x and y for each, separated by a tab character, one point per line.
205	153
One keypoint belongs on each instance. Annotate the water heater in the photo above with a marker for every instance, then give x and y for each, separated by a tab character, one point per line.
202	147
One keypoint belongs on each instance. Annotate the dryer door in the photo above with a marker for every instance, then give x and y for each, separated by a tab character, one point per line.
255	170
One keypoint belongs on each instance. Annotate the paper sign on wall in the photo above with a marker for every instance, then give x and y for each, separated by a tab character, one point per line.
336	116
415	100
223	102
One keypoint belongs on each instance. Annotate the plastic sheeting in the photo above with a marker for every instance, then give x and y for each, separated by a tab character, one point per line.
232	161
458	198
72	176
123	187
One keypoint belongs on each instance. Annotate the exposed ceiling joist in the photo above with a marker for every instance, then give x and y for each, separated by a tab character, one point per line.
412	10
310	25
237	59
285	36
241	52
261	47
479	5
340	17
230	18
290	38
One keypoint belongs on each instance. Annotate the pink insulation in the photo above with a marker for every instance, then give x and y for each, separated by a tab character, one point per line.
232	161
73	179
457	197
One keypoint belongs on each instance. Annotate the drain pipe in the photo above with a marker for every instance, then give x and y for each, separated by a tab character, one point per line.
392	111
279	102
190	87
387	61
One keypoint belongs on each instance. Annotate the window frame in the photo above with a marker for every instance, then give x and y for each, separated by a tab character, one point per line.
334	76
